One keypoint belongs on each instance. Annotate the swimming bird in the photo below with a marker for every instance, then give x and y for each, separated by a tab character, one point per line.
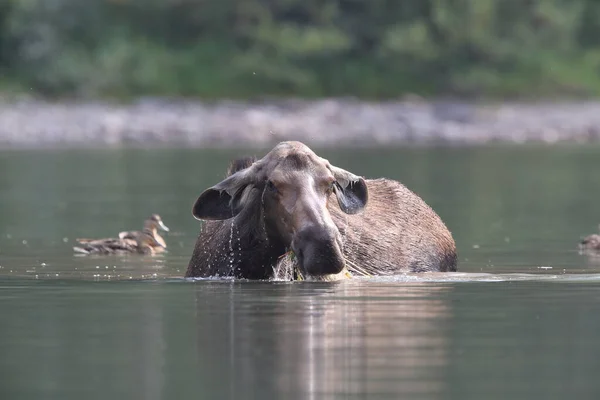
151	226
146	241
141	245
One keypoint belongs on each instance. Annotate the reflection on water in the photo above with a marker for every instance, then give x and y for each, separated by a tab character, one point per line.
348	340
353	340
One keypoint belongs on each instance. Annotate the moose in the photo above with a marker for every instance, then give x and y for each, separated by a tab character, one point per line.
332	220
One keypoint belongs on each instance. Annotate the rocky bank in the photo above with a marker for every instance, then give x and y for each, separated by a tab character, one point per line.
328	122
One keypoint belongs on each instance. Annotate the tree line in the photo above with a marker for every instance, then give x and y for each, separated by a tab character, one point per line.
245	48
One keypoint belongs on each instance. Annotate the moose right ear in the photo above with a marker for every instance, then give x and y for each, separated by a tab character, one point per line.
226	199
351	190
214	204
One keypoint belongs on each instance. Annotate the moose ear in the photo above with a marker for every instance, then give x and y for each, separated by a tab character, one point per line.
215	204
351	191
226	199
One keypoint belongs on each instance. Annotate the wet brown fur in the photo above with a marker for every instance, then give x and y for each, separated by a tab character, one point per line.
384	239
219	239
396	232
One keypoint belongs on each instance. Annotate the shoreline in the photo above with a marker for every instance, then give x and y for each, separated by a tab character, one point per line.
323	123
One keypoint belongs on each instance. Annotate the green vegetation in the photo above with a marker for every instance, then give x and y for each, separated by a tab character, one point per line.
232	48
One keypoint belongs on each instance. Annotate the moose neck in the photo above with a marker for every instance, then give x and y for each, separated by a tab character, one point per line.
255	250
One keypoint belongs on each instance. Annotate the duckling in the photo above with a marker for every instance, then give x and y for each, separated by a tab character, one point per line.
142	245
590	242
146	241
151	226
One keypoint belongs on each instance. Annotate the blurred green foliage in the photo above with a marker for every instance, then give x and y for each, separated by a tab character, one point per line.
244	48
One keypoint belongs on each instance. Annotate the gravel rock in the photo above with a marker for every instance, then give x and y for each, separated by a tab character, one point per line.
328	122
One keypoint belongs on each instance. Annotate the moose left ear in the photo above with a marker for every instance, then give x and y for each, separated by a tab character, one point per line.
351	191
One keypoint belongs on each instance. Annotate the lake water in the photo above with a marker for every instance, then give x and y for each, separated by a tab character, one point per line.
520	320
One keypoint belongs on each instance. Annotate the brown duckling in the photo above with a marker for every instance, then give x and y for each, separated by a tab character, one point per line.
146	241
590	242
142	244
151	226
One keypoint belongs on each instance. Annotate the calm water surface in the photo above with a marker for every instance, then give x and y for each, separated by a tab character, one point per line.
519	321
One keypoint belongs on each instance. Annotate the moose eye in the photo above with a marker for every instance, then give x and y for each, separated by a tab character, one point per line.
271	186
